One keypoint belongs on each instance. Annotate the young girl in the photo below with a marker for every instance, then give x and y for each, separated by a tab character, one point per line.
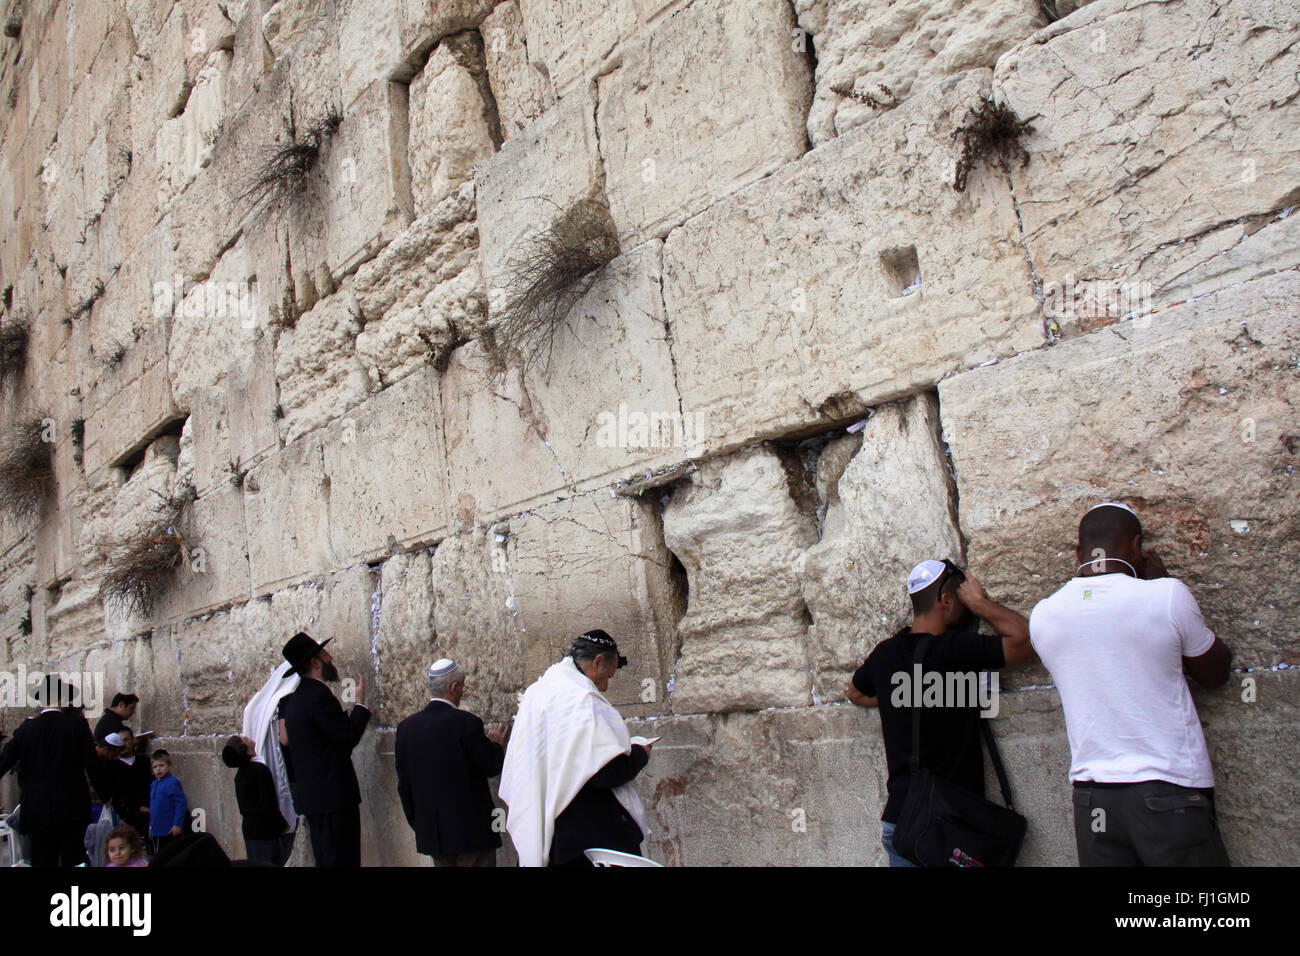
125	847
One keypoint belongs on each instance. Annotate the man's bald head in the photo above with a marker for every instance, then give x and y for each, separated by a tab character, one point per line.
1110	531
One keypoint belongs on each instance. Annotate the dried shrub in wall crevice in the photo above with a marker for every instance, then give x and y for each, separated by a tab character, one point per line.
280	178
140	569
14	338
989	131
26	469
556	268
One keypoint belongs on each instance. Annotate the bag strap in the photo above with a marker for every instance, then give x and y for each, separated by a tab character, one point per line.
1003	784
986	733
914	761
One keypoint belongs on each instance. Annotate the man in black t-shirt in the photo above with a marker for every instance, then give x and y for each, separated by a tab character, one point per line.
945	604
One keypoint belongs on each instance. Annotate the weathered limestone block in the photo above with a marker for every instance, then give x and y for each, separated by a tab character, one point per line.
452	124
161	80
253	57
888	509
474	621
286	512
157	671
736	529
522	92
358	194
315	81
184	144
712	99
234	424
108	671
425	22
209	30
1250	746
889	51
204	647
317	367
543	170
386	468
206	217
74	610
214	326
603	406
598	561
851	277
1146	168
216	572
370	45
575	41
284	21
778	787
131	402
404	636
1186	415
423	293
340	606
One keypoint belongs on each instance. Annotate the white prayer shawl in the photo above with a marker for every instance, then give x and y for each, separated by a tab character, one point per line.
564	733
260	724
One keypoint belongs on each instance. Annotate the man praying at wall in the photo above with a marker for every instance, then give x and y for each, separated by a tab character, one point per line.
945	605
569	768
1117	638
115	716
445	757
323	736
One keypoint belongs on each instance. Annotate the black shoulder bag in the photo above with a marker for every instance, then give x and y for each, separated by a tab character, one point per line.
942	824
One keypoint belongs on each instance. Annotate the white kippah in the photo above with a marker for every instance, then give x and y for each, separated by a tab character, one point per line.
442	666
923	575
1112	504
114	740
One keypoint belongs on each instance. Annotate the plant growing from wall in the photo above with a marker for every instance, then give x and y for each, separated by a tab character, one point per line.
281	177
139	569
989	131
15	336
870	99
26	468
554	271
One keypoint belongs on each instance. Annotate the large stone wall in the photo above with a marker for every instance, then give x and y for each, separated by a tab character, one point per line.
813	363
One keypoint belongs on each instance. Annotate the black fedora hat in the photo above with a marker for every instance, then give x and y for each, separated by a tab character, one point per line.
54	691
301	649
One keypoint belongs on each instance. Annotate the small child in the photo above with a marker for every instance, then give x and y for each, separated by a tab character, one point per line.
264	825
168	807
125	847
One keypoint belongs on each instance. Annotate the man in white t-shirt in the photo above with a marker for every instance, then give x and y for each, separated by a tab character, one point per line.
1117	639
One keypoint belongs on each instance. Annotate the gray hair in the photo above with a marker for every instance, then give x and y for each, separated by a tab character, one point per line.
440	684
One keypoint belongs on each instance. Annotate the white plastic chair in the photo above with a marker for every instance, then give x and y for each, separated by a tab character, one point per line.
12	841
615	858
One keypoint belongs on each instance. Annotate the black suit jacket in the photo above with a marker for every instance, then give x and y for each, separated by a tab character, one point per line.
444	761
54	753
322	737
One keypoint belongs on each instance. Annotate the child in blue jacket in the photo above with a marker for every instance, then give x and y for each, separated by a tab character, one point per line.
168	807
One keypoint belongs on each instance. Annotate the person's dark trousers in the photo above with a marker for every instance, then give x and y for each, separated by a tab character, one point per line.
1152	823
160	841
286	846
336	837
265	851
58	846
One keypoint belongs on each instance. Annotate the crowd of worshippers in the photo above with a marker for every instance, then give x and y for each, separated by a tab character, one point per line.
1119	639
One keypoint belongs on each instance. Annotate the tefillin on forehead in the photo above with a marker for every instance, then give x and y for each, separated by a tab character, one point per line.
598	641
